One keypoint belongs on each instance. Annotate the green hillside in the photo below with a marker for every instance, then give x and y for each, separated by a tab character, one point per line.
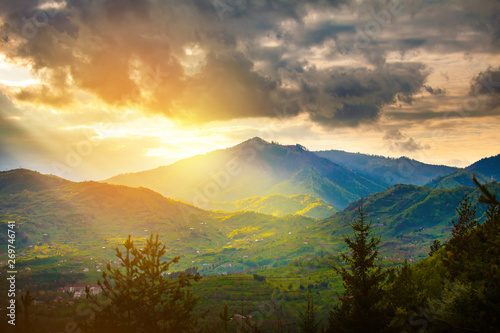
67	232
277	204
457	288
409	217
74	226
462	177
253	168
308	180
386	170
16	181
87	219
489	166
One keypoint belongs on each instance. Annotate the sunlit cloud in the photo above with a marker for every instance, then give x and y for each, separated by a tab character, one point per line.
147	83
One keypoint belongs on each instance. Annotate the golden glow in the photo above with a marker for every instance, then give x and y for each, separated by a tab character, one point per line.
52	5
141	89
15	75
193	59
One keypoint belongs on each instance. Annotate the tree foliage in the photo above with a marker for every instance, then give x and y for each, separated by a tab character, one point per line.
140	296
27	301
460	248
308	321
225	316
465	224
469	297
361	308
436	245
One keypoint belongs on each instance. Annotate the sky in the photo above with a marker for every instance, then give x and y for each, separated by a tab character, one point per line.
91	89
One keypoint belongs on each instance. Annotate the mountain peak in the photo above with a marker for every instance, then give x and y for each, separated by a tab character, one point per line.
255	140
17	180
489	166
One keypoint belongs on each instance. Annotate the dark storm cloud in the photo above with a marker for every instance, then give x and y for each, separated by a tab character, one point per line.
318	33
486	83
134	54
483	100
435	26
434	91
351	97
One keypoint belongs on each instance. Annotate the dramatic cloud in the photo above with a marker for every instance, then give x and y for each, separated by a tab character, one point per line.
198	61
330	67
400	142
486	83
435	91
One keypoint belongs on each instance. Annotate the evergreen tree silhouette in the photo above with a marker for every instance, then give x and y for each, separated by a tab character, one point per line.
466	222
436	245
225	316
140	296
308	322
460	247
360	308
27	301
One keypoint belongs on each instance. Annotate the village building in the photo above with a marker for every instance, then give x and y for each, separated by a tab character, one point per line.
78	290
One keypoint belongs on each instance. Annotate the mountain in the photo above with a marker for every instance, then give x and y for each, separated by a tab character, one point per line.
277	204
462	177
490	167
309	180
54	204
387	171
409	217
66	226
18	180
253	168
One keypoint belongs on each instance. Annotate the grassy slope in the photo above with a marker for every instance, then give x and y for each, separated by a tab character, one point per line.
277	204
460	177
92	216
385	170
253	168
409	217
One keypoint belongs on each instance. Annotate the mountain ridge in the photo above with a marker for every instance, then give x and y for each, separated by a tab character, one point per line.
461	177
488	166
388	171
251	168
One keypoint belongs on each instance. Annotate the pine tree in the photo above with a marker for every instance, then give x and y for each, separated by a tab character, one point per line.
403	296
309	323
140	296
460	247
225	316
465	223
486	197
471	300
436	245
27	300
360	309
403	291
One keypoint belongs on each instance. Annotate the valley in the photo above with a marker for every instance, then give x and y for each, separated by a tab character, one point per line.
67	232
